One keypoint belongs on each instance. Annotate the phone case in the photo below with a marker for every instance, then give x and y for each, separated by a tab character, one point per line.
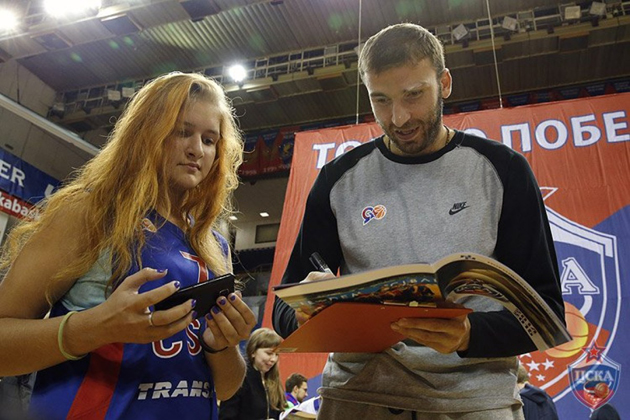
206	294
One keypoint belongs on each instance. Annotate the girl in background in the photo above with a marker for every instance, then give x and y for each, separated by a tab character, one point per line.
261	396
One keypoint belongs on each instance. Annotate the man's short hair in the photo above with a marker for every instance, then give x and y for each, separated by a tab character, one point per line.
294	380
400	44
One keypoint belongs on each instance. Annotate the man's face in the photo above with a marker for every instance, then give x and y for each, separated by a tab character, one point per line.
407	104
301	392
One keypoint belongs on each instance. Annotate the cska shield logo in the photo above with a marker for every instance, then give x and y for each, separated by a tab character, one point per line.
594	377
589	274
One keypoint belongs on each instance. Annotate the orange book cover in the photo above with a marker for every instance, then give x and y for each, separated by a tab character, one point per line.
353	327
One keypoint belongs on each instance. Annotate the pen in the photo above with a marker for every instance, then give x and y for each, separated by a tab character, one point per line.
319	263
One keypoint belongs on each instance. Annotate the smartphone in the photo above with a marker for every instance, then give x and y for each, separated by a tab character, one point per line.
206	294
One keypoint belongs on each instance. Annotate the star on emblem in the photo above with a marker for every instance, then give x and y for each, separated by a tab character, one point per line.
593	352
548	364
532	365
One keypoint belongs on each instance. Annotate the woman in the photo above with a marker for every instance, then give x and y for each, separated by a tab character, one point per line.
261	396
133	227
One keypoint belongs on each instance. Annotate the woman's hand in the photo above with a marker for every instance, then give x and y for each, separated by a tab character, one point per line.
228	323
126	315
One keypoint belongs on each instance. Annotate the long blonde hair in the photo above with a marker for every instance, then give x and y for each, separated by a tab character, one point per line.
264	338
126	180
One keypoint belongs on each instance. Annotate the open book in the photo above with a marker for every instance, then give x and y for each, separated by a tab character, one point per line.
353	313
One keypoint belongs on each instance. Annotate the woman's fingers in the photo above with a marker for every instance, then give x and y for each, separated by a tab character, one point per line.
128	313
174	314
245	312
137	279
231	319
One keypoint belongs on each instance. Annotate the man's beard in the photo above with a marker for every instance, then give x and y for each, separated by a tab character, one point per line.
430	128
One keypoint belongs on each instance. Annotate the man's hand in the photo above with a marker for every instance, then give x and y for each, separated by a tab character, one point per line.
300	316
442	335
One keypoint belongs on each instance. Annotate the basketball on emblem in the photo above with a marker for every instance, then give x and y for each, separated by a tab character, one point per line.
379	211
578	328
602	390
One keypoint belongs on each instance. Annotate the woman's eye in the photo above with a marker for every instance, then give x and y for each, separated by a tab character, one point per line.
209	140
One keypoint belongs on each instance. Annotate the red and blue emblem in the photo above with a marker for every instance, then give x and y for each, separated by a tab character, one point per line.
594	377
583	369
377	212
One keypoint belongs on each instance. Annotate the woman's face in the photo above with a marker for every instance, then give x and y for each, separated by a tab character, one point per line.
264	359
191	148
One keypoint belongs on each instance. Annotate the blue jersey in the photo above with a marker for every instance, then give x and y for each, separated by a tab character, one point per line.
166	379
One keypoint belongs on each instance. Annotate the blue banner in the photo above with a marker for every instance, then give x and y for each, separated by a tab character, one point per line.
24	181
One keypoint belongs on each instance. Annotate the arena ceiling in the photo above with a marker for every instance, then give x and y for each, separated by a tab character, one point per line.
135	40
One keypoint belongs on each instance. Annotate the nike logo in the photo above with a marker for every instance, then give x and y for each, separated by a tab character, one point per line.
457	207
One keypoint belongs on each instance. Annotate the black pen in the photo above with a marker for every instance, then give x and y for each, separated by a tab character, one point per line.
319	263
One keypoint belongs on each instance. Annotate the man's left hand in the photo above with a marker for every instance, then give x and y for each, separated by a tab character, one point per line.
442	335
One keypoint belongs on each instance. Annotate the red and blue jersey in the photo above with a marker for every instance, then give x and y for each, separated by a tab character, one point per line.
165	379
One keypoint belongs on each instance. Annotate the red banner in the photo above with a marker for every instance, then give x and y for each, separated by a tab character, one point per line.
579	151
13	205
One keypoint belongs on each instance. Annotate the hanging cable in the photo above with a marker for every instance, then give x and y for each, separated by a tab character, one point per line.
494	53
358	52
17	82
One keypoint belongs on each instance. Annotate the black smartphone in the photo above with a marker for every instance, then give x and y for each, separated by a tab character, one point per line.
205	293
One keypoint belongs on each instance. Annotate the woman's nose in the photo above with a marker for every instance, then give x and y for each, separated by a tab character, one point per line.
195	146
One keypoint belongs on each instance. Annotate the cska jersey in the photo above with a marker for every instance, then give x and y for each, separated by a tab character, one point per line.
167	379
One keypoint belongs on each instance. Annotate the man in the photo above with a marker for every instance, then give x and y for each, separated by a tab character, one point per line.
444	191
605	412
296	389
537	404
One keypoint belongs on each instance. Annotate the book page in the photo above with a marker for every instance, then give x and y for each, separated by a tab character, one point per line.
475	277
418	288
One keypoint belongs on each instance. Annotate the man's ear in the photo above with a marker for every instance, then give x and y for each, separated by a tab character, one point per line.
295	389
446	83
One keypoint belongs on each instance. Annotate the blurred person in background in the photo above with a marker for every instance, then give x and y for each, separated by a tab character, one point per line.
261	395
296	387
537	404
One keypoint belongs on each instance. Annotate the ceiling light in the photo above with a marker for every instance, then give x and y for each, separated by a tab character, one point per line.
264	214
237	73
60	8
232	217
8	20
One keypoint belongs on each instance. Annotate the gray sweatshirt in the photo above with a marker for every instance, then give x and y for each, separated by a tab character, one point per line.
474	195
